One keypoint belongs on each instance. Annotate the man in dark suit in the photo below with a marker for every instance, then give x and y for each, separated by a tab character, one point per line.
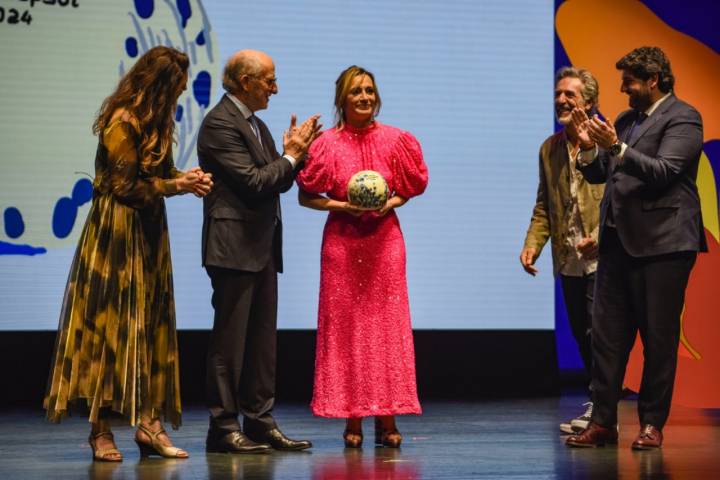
242	253
651	231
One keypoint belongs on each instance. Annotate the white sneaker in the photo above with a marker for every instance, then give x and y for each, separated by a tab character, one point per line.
581	423
566	428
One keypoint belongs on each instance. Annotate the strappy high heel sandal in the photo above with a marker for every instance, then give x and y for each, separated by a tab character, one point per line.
156	447
353	439
104	454
353	435
387	438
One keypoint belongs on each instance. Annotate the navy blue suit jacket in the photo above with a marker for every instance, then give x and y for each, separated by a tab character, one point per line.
653	193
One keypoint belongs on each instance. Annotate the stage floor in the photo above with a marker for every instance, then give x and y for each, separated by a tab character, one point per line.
515	438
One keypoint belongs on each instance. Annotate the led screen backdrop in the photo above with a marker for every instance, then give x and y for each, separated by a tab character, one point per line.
472	80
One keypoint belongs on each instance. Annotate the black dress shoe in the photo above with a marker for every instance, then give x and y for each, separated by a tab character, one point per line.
279	441
234	442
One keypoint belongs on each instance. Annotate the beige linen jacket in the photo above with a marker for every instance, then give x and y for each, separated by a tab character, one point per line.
553	198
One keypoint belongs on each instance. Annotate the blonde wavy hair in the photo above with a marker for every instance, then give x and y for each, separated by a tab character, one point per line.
342	89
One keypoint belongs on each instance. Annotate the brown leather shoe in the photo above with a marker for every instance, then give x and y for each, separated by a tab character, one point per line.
649	438
593	436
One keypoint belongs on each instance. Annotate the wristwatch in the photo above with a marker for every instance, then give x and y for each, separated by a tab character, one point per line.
615	149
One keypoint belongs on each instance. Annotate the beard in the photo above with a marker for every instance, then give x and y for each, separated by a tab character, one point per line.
640	101
563	115
564	120
567	118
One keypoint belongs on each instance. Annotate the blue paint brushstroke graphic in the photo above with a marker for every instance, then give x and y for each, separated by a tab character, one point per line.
201	88
185	11
12	249
63	217
131	47
82	191
144	8
14	224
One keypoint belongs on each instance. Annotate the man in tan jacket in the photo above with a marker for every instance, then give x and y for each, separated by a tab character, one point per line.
567	211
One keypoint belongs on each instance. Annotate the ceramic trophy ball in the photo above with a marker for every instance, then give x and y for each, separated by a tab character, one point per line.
367	189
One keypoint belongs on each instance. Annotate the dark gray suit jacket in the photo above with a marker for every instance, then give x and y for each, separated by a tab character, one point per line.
242	225
653	194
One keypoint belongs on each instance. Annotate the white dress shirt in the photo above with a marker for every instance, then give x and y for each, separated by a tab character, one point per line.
247	113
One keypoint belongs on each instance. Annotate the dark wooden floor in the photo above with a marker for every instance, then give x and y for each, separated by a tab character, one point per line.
451	440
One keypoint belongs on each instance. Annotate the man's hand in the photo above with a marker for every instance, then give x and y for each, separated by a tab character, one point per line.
580	122
588	248
527	259
602	133
297	140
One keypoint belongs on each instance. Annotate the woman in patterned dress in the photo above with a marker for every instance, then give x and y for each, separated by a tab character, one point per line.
365	361
116	348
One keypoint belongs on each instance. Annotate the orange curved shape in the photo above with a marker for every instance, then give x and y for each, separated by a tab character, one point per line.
696	383
595	35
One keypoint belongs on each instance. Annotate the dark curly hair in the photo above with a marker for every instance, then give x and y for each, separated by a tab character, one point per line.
644	62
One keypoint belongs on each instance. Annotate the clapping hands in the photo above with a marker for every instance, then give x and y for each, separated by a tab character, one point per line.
593	131
297	139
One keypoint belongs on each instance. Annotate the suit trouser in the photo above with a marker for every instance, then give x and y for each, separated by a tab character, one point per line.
578	296
632	294
242	353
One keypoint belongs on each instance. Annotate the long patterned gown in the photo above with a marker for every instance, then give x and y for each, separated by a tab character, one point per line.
116	347
365	360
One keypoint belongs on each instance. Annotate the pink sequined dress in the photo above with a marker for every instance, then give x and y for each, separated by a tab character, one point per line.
365	360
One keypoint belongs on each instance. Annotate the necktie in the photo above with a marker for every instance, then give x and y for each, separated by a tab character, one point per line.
255	127
632	135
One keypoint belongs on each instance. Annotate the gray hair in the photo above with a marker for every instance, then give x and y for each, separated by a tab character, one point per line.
590	90
238	66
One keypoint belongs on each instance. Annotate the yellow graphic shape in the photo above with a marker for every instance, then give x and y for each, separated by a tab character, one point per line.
708	196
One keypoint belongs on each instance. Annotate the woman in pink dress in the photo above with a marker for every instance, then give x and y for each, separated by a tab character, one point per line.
365	360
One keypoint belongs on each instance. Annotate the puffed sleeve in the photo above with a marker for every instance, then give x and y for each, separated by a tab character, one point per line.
126	183
410	174
318	173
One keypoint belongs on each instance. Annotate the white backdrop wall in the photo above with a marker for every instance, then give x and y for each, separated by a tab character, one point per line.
472	80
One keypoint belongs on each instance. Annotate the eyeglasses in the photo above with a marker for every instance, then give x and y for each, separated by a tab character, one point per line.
269	82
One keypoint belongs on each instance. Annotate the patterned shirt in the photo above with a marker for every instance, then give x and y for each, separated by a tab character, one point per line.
572	264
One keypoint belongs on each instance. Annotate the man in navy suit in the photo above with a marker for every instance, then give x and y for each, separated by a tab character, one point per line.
242	253
650	233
